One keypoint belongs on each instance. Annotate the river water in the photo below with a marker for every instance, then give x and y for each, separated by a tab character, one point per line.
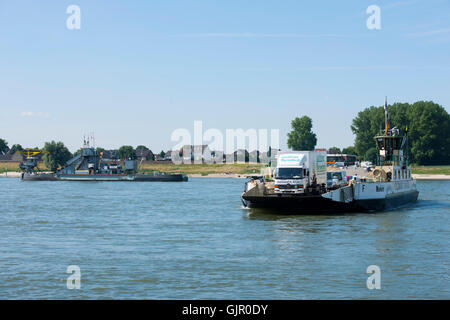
194	240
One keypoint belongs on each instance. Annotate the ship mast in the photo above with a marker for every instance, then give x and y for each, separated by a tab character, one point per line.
386	118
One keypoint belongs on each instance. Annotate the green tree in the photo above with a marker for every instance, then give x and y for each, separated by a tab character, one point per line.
365	126
78	152
56	155
301	137
99	149
126	152
428	130
15	148
334	150
429	133
162	154
141	147
349	150
3	146
371	155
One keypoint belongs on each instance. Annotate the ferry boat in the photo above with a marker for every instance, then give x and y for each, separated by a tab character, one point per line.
388	186
88	165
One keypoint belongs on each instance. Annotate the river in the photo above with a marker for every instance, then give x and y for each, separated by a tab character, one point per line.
194	240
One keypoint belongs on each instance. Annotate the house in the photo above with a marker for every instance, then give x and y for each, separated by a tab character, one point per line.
217	156
241	156
195	153
159	157
238	156
168	155
253	157
16	157
263	157
144	155
110	155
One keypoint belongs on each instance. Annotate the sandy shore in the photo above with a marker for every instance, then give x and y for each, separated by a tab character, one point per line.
415	176
218	175
215	175
10	175
431	176
243	176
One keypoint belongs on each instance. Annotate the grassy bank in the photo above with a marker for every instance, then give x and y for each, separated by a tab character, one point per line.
430	169
205	169
14	167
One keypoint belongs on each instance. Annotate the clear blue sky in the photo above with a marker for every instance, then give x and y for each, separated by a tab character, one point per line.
137	70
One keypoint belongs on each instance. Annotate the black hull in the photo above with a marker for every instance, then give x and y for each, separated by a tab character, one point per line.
137	178
296	204
316	204
38	177
160	178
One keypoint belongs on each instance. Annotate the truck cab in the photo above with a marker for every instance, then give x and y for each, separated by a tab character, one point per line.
291	179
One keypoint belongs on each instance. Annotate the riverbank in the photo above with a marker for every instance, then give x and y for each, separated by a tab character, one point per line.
212	170
243	176
431	176
10	174
430	170
218	175
239	170
213	175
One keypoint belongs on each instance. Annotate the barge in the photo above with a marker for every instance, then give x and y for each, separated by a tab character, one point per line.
88	165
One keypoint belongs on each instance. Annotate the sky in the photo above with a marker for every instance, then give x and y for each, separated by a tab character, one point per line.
136	71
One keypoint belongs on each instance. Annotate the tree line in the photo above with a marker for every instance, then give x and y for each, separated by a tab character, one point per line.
56	154
428	136
428	126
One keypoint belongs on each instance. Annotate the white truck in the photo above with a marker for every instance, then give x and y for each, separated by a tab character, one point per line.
300	172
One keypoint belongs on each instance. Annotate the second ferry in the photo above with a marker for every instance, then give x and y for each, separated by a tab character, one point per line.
88	165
